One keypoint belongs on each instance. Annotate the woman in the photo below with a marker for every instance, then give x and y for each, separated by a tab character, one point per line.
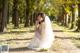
44	36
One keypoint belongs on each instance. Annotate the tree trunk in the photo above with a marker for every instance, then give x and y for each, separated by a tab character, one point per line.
73	18
15	18
27	23
3	15
8	14
31	19
66	19
78	21
76	16
1	29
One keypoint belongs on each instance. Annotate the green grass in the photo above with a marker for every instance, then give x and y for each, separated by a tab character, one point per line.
11	33
77	43
22	32
70	33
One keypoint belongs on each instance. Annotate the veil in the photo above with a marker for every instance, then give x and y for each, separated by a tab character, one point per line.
49	35
48	27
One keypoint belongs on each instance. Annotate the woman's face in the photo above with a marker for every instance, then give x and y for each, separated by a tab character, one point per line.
39	18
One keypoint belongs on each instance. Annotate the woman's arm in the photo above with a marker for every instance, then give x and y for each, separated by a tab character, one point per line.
36	25
43	30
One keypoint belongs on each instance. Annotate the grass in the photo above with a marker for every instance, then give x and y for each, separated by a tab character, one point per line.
22	32
10	34
77	43
70	33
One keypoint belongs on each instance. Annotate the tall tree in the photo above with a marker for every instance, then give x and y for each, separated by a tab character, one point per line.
15	18
27	13
78	21
3	15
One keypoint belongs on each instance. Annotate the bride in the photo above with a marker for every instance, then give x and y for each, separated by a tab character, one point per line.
44	35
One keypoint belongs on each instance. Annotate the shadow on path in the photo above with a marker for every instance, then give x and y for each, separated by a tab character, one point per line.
58	31
16	39
76	38
19	49
13	32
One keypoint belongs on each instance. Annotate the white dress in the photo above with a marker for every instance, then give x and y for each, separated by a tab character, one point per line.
44	37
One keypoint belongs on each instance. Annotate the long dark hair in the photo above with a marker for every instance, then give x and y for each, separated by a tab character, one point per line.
42	15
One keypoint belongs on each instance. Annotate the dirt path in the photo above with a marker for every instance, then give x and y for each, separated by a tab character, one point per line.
62	43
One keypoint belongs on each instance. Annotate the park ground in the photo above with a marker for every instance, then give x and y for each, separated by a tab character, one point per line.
66	41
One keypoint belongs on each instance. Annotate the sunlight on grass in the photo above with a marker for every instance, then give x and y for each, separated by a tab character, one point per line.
27	32
12	33
69	34
77	43
66	30
56	45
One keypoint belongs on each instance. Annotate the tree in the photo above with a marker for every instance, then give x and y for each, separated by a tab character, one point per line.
27	13
15	18
3	15
78	21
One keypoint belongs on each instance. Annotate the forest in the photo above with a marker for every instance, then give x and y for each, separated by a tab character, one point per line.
64	12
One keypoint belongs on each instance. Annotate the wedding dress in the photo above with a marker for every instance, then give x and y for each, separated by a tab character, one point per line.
44	37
